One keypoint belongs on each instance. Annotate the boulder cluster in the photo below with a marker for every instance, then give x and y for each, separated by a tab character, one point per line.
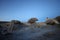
15	24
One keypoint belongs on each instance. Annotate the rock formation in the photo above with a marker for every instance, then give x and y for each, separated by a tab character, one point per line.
51	21
16	22
32	20
58	18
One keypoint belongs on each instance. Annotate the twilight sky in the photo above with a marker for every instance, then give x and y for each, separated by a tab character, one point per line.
25	9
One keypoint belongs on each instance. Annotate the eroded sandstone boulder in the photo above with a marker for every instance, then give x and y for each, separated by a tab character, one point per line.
58	18
52	21
32	20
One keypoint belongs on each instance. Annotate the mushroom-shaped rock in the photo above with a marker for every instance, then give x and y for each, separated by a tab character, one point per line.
16	22
51	21
32	20
58	18
14	25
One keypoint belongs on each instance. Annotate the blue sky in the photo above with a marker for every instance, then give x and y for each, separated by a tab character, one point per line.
25	9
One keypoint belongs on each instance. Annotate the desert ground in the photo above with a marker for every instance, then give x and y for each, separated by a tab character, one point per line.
49	32
16	30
